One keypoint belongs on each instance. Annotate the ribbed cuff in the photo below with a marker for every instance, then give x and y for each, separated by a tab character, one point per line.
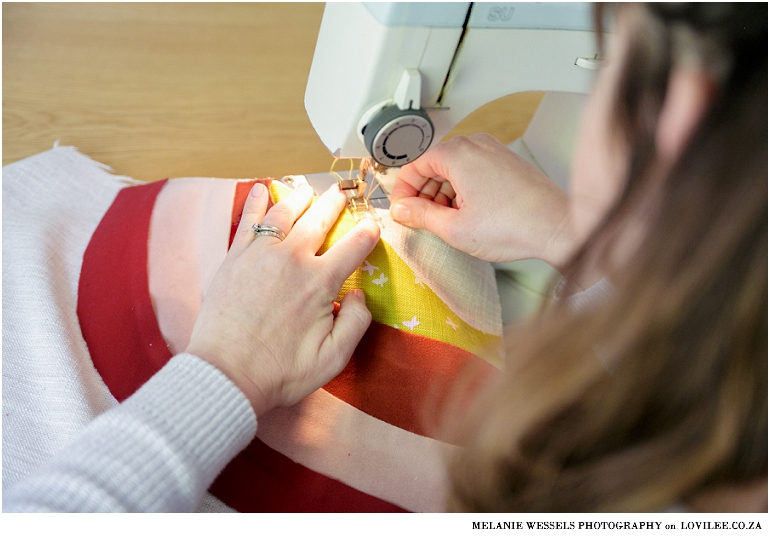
200	411
158	451
204	417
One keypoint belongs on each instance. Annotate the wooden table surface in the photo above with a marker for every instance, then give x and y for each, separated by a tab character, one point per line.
178	90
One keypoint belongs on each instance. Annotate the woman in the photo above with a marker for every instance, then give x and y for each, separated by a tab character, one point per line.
653	400
659	396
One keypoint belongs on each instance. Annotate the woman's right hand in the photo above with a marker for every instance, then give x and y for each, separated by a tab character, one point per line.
484	199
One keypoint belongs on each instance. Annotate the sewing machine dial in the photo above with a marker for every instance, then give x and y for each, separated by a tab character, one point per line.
395	137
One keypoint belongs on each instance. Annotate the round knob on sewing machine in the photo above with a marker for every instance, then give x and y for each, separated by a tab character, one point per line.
395	137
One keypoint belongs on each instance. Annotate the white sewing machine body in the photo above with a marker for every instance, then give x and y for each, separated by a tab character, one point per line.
443	61
465	54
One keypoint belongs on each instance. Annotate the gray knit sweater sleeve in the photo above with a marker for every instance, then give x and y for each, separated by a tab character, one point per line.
157	451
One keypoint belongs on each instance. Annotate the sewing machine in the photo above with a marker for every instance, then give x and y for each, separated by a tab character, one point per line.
389	80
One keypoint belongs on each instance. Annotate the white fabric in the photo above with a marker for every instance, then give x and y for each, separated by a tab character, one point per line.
52	203
158	451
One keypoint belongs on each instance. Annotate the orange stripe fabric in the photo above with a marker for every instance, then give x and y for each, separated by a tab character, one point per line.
401	378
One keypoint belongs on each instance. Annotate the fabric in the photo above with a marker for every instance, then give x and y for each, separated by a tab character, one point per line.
157	452
363	443
387	363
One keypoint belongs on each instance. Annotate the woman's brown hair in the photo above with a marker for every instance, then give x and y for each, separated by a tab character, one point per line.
660	392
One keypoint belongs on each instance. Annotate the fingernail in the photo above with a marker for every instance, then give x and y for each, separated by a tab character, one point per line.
374	227
399	212
258	189
358	293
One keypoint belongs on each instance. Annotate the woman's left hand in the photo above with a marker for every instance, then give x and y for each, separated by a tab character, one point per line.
267	320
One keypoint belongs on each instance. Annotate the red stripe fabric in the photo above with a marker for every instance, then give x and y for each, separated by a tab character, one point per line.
114	308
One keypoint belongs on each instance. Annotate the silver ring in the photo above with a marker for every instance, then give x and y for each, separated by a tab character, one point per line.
268	230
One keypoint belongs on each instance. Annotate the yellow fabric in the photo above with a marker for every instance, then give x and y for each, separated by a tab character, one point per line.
397	298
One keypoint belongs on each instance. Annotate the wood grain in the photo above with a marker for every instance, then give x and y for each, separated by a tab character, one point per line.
173	90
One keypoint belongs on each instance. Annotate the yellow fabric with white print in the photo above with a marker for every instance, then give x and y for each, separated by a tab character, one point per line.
397	298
